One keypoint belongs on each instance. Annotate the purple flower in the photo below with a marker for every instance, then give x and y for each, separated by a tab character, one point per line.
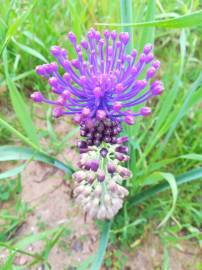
102	81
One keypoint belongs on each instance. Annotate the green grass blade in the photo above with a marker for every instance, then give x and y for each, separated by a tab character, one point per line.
126	8
30	51
18	134
171	181
147	34
102	246
189	20
14	26
19	105
187	177
9	152
184	107
12	172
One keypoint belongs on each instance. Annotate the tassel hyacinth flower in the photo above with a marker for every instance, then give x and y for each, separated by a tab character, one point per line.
100	89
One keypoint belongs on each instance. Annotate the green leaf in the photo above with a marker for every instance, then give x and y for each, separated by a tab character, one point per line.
126	9
147	34
189	20
102	246
19	105
187	177
171	181
12	172
30	51
9	152
192	156
18	134
12	29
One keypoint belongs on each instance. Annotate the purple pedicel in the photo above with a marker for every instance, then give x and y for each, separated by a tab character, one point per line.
106	84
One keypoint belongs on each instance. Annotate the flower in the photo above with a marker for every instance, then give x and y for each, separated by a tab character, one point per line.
99	181
98	88
103	81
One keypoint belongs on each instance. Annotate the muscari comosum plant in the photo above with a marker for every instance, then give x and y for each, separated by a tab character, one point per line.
101	89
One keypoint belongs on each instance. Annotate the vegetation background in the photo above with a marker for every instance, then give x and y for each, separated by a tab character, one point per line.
166	148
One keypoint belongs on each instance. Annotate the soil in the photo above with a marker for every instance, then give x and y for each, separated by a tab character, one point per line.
49	194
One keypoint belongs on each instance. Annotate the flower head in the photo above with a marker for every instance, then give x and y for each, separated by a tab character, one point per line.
103	81
99	187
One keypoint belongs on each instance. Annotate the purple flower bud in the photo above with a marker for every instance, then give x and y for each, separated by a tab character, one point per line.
147	48
156	64
124	172
119	156
83	150
142	58
129	119
53	81
122	140
122	149
56	51
75	63
119	88
66	94
41	70
77	118
84	44
124	37
82	144
61	101
94	165
117	105
85	111
72	37
37	97
134	53
58	112
106	139
79	176
107	34
145	111
101	115
113	35
97	35
111	168
100	176
97	92
67	76
149	57
157	88
103	152
151	72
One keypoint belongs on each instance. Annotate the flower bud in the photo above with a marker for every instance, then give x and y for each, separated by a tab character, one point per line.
37	97
94	165
100	176
111	168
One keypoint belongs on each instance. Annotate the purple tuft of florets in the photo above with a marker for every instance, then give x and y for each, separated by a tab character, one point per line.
103	81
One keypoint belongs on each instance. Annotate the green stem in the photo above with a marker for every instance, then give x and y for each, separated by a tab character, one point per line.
102	246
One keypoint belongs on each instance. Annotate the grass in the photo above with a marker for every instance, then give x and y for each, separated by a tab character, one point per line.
167	143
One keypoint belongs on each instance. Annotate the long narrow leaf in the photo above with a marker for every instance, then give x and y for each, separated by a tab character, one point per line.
19	105
102	246
18	134
21	153
187	177
12	172
190	20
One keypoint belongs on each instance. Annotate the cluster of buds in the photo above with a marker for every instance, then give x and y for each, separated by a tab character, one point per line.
97	131
99	181
97	89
